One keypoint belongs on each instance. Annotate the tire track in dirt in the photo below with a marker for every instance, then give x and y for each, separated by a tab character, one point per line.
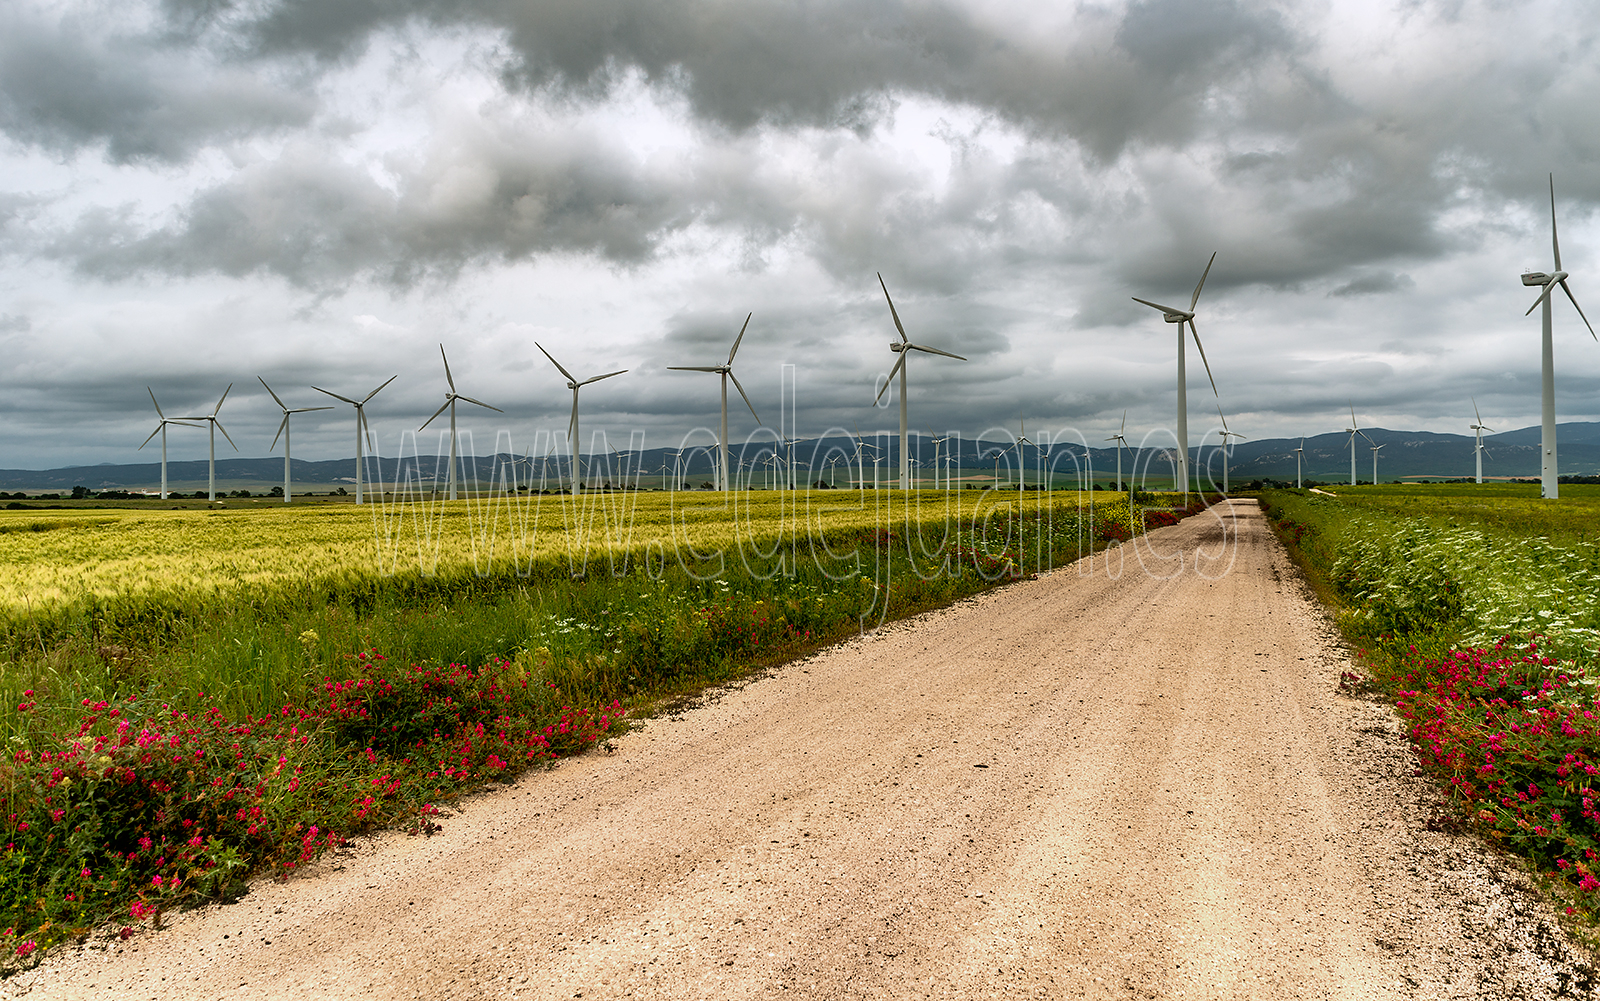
1094	784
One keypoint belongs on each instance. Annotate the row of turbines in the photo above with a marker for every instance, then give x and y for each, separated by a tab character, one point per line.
903	348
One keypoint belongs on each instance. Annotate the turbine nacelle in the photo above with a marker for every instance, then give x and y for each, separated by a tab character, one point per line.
1538	278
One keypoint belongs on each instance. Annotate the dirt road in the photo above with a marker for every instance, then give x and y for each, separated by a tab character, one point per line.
1096	784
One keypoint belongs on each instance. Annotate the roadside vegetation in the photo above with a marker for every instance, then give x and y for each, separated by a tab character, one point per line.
255	687
1476	610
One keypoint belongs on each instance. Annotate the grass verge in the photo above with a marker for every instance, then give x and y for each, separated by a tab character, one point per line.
1483	631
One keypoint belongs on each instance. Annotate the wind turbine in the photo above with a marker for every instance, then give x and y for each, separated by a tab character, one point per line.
1121	441
726	371
1479	428
1550	487
1181	316
1374	460
361	426
1299	453
161	429
1354	430
1226	434
936	443
572	426
902	348
861	469
211	490
283	429
450	399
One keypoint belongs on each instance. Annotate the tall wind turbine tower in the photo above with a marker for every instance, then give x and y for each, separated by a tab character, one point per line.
1299	453
1226	434
283	430
1353	430
1172	314
726	371
903	348
161	429
572	426
450	399
1478	429
1121	441
1549	485
211	418
361	426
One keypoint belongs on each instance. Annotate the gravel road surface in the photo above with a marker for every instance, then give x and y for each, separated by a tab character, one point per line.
1119	780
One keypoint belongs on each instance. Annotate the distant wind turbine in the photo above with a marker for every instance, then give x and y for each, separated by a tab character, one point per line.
1353	430
1479	428
211	418
1374	461
161	429
1172	314
283	430
450	399
1121	442
1549	484
903	348
572	426
726	371
361	426
1299	453
1226	434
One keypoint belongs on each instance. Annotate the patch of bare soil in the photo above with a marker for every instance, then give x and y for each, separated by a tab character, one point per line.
1132	778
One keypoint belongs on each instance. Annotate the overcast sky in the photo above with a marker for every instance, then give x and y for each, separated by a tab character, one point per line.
199	192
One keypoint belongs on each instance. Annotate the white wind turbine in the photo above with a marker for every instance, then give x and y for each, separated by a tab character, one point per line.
1374	449
161	429
1121	442
450	399
1550	486
572	426
936	443
1353	430
211	418
1479	428
1181	316
283	430
1226	434
361	426
903	347
1299	453
726	371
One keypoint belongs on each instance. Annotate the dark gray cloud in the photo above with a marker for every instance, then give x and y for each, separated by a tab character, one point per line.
66	83
1379	283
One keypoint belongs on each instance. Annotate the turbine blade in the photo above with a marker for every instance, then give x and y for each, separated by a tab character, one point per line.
1555	244
344	398
447	376
608	375
153	400
1542	296
933	351
152	435
736	340
1124	426
557	364
378	390
280	430
1157	305
480	403
572	425
1577	307
307	410
225	393
1224	420
746	398
425	423
274	395
695	368
1203	361
224	432
899	363
903	338
1196	297
1475	414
